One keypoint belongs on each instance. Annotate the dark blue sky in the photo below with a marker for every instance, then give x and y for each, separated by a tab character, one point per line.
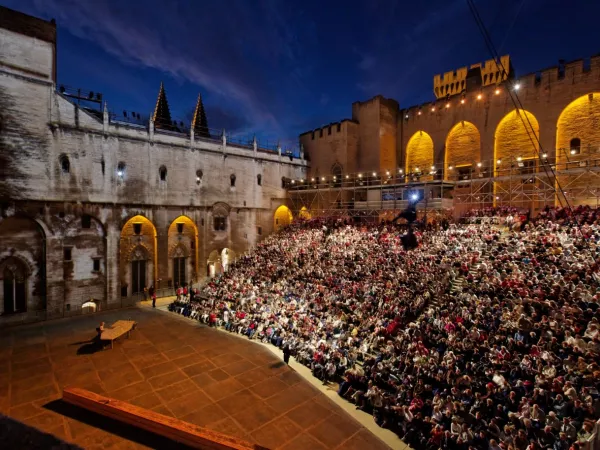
281	67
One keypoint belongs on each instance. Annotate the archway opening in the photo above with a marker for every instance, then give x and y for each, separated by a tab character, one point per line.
89	307
138	256
419	157
213	265
577	139
183	252
304	213
227	258
282	218
463	145
516	149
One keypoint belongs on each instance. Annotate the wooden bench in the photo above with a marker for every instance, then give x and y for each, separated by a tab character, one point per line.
118	329
168	427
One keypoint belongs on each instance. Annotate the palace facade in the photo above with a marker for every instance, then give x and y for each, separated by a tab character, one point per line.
95	207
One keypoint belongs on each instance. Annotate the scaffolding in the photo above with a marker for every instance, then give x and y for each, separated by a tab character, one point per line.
568	178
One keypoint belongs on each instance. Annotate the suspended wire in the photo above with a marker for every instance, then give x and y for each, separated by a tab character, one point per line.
510	27
517	103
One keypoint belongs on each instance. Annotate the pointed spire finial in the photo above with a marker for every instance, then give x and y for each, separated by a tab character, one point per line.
162	115
199	122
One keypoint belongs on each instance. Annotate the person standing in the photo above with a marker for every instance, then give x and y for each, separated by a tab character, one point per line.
287	352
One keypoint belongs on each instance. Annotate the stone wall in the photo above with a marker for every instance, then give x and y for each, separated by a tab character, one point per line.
77	178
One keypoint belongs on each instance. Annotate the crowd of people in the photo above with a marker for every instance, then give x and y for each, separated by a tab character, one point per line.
481	338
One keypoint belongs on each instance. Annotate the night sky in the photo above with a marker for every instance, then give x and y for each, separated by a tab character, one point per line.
280	67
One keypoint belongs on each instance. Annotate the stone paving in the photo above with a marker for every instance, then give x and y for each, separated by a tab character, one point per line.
174	367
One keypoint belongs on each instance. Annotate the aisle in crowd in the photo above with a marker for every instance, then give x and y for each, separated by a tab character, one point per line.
507	361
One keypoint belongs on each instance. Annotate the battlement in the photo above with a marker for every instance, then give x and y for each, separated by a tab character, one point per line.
573	71
486	74
328	130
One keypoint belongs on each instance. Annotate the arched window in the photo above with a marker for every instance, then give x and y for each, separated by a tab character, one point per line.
65	165
232	179
284	181
336	172
259	179
163	173
575	146
121	169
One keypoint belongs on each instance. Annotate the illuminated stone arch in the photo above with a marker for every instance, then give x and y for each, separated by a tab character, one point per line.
183	251
577	134
517	136
138	255
463	146
579	120
282	218
304	213
213	264
228	256
419	153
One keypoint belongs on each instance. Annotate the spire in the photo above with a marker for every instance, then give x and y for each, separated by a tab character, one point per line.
199	122
162	115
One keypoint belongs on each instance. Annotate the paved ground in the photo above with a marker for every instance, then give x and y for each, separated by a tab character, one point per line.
169	365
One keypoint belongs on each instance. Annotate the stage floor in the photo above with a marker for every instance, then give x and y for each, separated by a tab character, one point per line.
173	366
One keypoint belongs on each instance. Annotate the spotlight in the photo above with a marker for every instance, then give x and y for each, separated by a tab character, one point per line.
517	86
414	197
406	116
197	178
120	173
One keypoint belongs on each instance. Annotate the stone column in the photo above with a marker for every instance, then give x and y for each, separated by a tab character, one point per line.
113	277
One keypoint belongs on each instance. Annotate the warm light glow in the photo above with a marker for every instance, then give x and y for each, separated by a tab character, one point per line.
387	172
462	101
360	175
497	91
312	179
573	151
450	168
479	97
447	105
400	170
334	178
432	167
406	116
347	176
302	180
419	113
545	155
433	109
519	158
499	162
417	169
197	178
293	181
322	178
478	164
120	173
517	86
497	198
374	174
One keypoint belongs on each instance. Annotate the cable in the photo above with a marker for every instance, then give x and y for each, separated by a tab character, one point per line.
516	101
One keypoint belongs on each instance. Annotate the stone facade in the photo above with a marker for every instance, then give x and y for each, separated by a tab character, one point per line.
85	200
474	125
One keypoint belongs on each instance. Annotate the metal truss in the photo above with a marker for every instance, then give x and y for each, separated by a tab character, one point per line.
529	183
